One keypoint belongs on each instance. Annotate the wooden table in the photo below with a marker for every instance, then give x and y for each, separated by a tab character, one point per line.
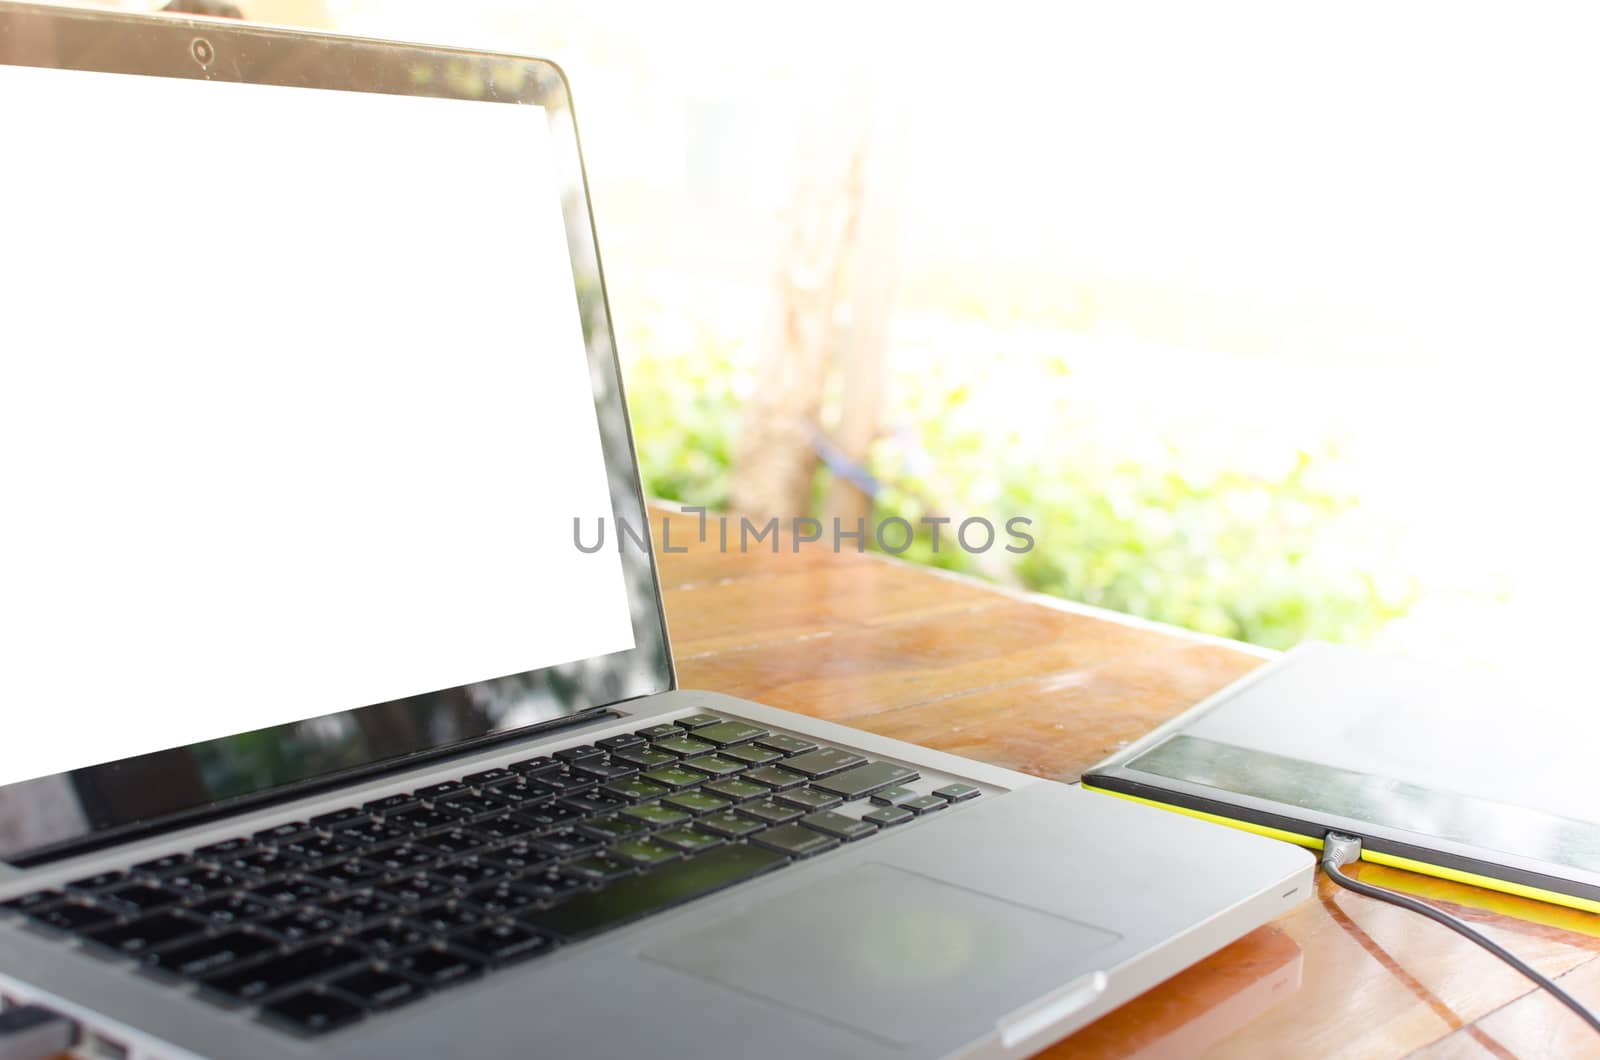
1050	688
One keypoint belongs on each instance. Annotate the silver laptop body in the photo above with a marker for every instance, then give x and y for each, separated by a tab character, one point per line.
959	910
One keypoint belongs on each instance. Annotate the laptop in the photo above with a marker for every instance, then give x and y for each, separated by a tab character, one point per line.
1417	760
327	732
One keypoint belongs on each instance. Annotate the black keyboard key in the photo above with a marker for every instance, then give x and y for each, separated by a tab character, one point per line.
503	943
607	829
439	791
674	777
299	925
729	825
453	844
517	858
924	804
548	817
583	750
98	882
334	818
823	761
225	848
472	805
392	937
645	853
501	898
957	792
773	777
688	840
535	766
715	765
260	865
645	757
696	802
391	804
770	811
347	828
368	834
684	746
740	790
163	865
864	779
591	802
203	883
597	801
421	819
566	844
147	933
654	890
360	908
698	721
656	815
893	796
277	973
288	892
795	840
838	825
728	733
506	826
439	967
888	816
618	743
28	902
520	793
415	889
445	917
315	848
353	873
751	755
407	857
605	770
465	875
276	834
140	898
809	798
636	789
568	783
228	909
488	776
376	990
209	955
786	745
659	732
72	916
313	1012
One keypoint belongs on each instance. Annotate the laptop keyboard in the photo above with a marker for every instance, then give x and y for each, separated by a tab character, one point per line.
320	923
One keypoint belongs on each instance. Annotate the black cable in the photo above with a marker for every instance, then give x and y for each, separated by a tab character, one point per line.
1335	848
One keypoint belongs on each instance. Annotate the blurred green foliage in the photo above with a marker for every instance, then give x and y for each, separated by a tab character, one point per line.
685	415
1271	554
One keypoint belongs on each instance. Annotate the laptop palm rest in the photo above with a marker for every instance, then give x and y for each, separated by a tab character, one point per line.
887	953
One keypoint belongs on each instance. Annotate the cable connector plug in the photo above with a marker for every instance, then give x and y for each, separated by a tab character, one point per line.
1340	850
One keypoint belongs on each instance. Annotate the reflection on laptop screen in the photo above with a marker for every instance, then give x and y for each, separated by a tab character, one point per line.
295	410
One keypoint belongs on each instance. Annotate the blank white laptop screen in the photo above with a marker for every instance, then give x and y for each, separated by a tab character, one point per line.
295	411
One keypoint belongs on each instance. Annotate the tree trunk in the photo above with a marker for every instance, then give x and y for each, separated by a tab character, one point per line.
776	462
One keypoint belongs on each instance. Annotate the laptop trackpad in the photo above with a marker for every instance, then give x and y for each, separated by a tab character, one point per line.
889	953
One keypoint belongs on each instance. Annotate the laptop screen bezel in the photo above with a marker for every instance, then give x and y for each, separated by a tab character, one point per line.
219	50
